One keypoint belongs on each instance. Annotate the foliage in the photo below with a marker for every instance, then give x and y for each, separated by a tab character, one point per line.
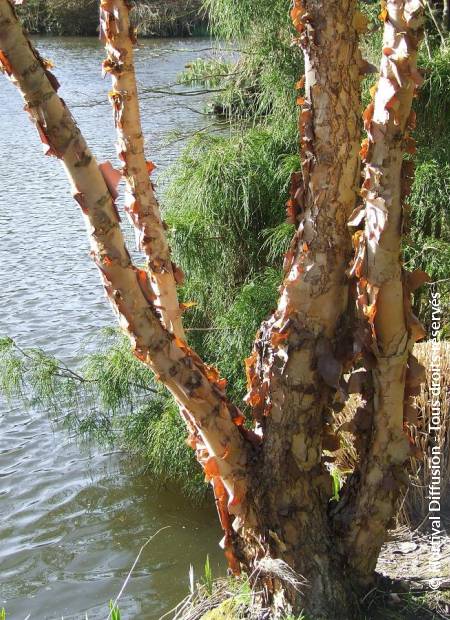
157	433
208	576
80	17
224	204
432	104
62	17
428	246
227	237
209	72
112	397
236	19
32	373
337	481
262	83
168	19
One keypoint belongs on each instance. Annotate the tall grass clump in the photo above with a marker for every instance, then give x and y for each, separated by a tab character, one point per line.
428	245
225	210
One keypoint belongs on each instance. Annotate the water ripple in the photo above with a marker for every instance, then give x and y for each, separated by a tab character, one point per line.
72	519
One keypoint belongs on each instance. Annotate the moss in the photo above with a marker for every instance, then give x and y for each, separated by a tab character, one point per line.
228	610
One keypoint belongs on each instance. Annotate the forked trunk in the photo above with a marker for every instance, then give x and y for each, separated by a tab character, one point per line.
272	484
215	424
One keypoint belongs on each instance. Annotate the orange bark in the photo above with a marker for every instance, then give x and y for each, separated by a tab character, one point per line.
383	299
141	204
273	493
215	423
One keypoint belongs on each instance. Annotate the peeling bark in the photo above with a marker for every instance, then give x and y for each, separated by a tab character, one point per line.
383	300
141	204
216	424
295	369
272	485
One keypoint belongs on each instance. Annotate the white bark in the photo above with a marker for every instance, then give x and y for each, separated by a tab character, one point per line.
141	204
215	422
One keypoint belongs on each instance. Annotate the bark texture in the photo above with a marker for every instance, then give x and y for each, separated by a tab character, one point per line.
216	425
272	485
141	203
143	210
383	292
295	370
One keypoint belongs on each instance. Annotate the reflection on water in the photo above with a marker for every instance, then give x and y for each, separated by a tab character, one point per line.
72	518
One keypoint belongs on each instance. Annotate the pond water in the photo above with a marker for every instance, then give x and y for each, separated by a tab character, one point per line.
72	517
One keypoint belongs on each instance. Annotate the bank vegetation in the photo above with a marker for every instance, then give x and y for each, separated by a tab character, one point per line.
151	18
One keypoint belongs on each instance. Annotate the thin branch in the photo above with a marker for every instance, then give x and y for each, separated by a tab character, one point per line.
192	383
141	204
64	372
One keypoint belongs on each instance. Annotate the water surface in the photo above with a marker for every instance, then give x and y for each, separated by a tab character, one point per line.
73	518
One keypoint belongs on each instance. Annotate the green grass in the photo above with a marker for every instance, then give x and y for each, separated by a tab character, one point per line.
209	72
114	611
208	580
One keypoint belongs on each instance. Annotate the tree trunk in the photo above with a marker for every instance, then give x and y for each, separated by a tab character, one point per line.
295	370
384	300
141	204
272	485
216	425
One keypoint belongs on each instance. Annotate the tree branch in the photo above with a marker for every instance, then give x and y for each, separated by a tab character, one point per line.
140	201
383	297
216	424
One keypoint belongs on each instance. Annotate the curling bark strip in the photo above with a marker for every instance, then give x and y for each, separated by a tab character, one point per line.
383	299
141	203
197	387
298	357
143	210
314	294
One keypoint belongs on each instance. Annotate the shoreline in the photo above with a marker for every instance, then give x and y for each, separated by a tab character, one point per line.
177	18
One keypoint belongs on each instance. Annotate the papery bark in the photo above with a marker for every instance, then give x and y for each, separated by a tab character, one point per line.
141	203
215	424
272	487
298	358
370	498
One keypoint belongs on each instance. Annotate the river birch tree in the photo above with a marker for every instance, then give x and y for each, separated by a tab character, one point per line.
343	322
